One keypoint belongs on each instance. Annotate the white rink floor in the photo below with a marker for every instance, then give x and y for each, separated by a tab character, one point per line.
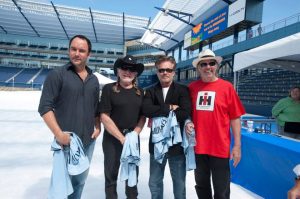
26	160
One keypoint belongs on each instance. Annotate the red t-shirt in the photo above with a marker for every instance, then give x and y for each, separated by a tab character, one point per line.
214	104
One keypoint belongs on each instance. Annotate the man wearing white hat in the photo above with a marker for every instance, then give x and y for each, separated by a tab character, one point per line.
215	108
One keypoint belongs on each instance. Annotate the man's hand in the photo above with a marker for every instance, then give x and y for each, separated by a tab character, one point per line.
63	138
96	133
122	140
236	155
173	107
294	192
189	127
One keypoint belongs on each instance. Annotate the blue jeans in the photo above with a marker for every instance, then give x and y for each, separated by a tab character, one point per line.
78	181
178	173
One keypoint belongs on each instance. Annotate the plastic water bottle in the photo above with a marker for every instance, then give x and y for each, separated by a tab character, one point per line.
250	125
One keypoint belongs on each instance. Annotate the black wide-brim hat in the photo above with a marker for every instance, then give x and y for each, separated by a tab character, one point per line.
129	62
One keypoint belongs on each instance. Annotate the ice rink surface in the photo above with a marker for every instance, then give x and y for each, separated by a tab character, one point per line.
26	159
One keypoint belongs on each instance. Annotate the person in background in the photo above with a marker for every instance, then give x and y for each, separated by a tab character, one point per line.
159	100
120	109
216	108
69	103
249	33
259	29
287	110
294	192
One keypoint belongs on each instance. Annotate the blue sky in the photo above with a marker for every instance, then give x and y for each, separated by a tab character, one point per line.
274	10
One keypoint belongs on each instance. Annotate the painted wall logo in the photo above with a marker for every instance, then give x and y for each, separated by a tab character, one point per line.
205	100
197	33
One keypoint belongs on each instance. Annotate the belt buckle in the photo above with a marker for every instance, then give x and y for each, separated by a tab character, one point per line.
125	131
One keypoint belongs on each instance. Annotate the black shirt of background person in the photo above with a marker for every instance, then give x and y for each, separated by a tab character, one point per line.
68	97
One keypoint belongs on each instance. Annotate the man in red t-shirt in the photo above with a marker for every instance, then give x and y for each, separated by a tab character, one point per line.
215	108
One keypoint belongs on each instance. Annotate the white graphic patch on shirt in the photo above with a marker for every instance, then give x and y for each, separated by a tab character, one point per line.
205	100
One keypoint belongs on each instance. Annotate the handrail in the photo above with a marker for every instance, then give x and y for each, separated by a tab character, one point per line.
265	29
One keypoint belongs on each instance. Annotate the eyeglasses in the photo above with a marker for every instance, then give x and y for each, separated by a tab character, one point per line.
126	68
168	70
204	64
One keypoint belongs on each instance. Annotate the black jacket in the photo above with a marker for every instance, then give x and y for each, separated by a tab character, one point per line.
154	106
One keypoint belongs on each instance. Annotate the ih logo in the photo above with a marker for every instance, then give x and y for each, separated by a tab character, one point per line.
205	100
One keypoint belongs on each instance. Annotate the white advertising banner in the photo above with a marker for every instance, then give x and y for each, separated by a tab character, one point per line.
236	12
187	40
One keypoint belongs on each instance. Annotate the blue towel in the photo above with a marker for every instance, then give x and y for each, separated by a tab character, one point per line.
165	133
78	162
188	144
75	163
60	185
130	159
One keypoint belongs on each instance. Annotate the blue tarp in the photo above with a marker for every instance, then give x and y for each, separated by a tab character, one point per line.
267	164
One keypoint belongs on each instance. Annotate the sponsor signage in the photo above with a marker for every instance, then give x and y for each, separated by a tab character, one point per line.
210	27
187	39
197	33
217	23
236	12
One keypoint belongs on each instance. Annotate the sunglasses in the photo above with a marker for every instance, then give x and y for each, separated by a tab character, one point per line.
126	68
168	70
204	64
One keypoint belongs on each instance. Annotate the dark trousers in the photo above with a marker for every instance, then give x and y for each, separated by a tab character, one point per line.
112	150
218	168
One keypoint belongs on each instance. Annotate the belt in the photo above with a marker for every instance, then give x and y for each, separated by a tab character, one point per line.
125	131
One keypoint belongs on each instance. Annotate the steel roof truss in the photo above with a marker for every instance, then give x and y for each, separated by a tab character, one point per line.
20	10
3	29
178	15
163	33
92	18
57	14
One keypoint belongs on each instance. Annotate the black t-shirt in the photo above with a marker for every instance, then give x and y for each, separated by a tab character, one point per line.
124	107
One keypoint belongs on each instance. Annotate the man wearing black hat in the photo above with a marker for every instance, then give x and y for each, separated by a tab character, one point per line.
159	100
120	109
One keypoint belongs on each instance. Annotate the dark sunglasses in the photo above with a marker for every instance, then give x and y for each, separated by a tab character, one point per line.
204	64
126	68
168	70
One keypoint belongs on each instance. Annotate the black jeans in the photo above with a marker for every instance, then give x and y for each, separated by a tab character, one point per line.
218	168
112	149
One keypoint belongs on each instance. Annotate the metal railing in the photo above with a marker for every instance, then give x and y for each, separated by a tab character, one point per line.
264	29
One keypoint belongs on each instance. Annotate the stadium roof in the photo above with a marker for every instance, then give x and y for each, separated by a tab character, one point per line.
283	53
176	18
28	18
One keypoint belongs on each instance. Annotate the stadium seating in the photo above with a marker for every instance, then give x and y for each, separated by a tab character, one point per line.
266	88
7	73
